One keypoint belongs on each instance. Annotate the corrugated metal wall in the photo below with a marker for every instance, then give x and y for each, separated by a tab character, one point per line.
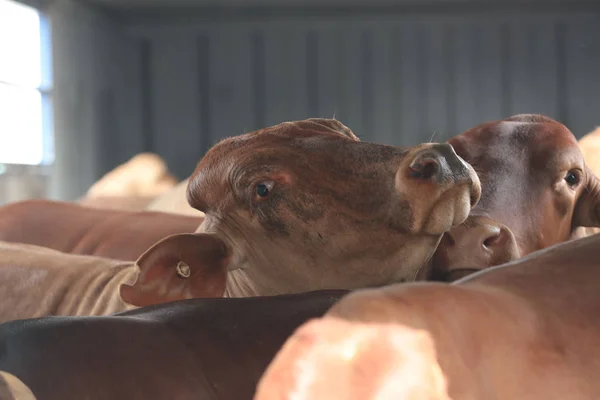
394	79
96	97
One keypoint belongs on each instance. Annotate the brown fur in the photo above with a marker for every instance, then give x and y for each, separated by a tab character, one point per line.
526	204
339	214
37	281
525	330
40	281
75	229
375	361
335	207
196	349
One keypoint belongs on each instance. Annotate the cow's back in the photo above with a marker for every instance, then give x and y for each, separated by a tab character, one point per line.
100	358
37	281
130	203
76	229
194	349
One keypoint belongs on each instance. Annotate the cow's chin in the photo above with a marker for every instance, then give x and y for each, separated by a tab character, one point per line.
451	209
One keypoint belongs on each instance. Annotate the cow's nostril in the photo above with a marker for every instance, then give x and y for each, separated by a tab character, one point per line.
497	237
449	239
489	242
424	168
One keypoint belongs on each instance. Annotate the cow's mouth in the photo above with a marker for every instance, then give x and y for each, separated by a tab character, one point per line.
451	208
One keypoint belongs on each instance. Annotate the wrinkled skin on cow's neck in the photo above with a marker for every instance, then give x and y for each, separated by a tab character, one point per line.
251	264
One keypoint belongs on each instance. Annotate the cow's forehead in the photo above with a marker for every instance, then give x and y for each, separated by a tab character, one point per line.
535	136
301	147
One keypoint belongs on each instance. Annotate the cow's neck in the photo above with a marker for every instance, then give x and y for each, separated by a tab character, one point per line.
97	292
239	284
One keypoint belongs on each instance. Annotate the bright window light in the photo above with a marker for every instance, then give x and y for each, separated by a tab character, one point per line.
20	44
25	114
20	125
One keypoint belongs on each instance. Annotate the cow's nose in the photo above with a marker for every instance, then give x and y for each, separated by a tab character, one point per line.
437	186
440	163
479	244
486	237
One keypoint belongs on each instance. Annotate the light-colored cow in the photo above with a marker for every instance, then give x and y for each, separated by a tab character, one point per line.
131	185
526	330
590	148
174	201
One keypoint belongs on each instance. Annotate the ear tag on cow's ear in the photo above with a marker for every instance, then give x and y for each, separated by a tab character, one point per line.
183	270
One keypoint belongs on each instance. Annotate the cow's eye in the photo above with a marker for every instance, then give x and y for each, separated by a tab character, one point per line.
264	189
572	178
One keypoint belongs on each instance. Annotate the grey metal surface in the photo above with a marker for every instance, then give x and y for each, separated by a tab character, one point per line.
178	86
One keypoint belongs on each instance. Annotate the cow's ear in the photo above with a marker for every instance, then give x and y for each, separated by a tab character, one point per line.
587	208
329	126
181	266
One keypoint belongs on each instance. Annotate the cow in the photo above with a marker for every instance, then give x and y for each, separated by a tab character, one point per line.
75	229
523	330
132	185
197	349
144	175
590	148
212	349
291	208
536	190
126	203
174	201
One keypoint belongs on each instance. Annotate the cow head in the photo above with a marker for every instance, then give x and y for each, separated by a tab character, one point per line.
305	206
536	190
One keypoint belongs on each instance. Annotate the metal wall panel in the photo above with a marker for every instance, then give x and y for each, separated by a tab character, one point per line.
96	97
396	79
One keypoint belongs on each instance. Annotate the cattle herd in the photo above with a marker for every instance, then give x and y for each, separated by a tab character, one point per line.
298	262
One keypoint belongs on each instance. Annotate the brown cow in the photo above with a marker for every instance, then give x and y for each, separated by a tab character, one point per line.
296	207
536	189
199	349
37	281
302	184
75	229
337	359
524	330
